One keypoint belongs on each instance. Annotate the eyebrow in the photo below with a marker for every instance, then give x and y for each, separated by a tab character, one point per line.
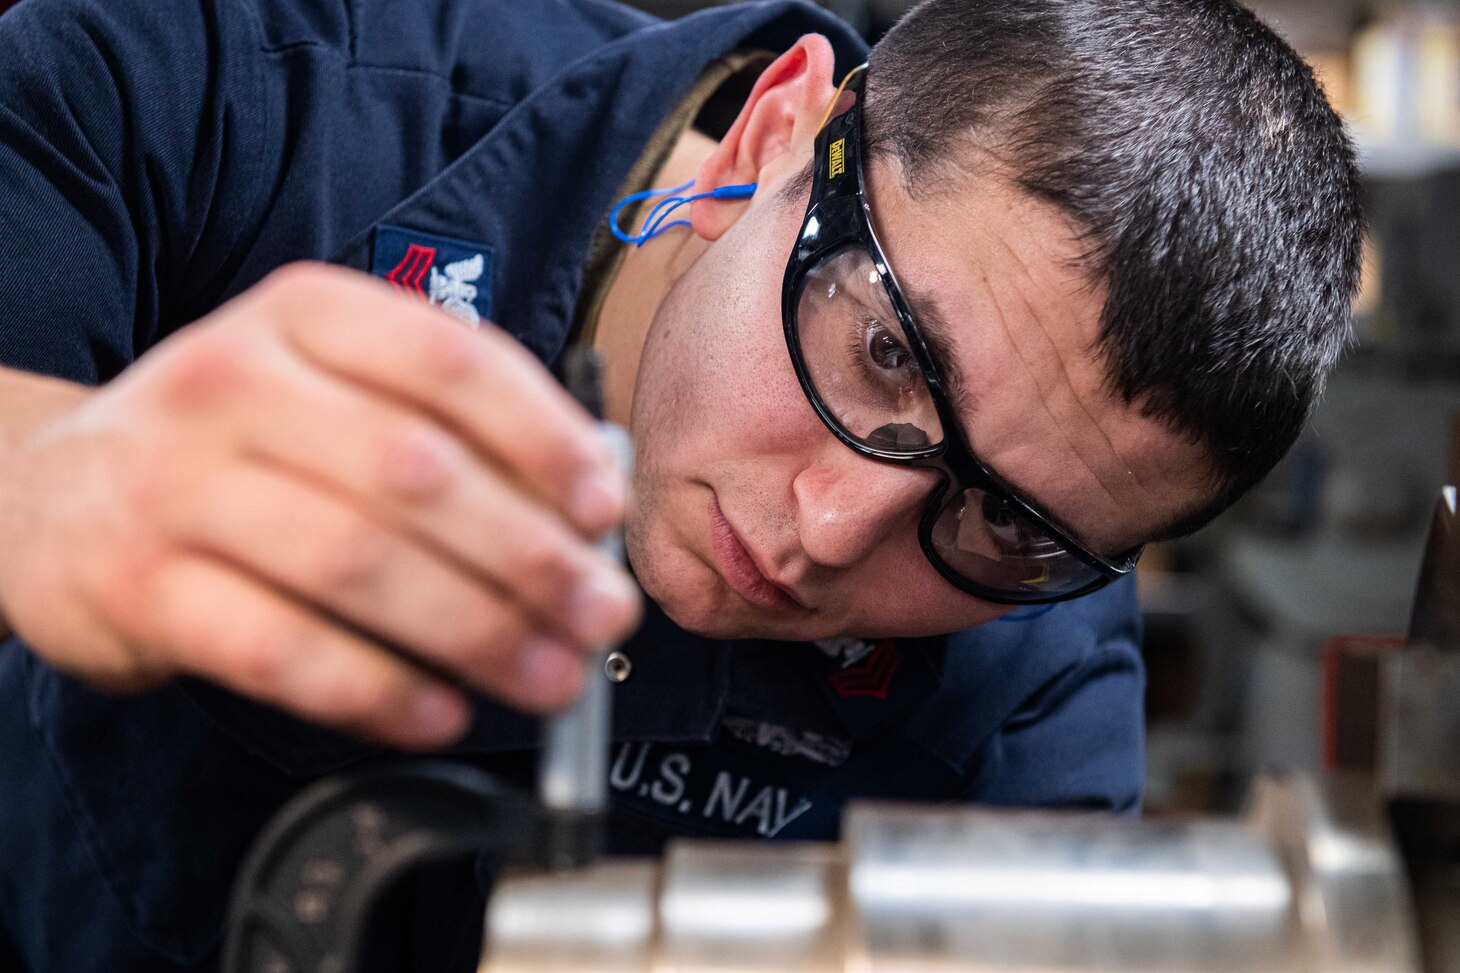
937	333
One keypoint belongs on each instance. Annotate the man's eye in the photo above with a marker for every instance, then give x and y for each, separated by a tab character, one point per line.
887	353
885	350
997	512
1003	524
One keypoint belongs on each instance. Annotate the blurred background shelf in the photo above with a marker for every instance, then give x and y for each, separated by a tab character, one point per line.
1407	160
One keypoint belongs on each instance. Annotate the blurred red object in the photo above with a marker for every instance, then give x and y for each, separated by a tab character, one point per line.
1349	716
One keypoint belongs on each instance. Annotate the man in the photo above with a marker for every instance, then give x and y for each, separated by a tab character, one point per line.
1048	281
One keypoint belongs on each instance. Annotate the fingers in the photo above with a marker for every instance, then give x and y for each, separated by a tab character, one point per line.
326	555
481	382
350	505
216	624
405	472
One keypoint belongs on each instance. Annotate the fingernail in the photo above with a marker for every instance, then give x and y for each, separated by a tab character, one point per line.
439	713
548	666
597	606
597	500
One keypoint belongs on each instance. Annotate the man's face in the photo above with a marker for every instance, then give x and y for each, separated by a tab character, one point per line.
749	518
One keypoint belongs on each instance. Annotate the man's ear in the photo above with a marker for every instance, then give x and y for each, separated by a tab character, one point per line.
774	131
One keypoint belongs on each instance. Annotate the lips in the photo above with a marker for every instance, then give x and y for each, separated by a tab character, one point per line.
738	567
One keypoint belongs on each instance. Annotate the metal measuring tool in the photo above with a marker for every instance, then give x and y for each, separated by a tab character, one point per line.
573	766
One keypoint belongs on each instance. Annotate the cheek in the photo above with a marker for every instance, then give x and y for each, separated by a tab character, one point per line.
709	391
715	379
903	595
951	610
681	584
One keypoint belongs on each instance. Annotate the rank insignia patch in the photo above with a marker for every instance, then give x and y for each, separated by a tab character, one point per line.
872	676
454	275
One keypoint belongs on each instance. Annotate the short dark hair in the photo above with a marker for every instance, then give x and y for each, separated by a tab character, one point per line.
1214	186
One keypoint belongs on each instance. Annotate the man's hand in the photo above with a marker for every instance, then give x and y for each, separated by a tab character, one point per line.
325	495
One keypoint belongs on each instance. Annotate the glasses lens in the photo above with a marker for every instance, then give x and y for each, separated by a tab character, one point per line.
992	544
858	357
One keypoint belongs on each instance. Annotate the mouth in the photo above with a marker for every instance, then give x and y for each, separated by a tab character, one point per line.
739	570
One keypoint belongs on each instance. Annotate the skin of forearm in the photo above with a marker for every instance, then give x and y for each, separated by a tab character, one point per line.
27	402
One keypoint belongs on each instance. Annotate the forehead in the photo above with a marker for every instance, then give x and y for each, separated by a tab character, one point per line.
1020	317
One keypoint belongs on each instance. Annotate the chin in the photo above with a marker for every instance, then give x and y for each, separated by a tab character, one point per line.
690	601
676	582
691	613
734	625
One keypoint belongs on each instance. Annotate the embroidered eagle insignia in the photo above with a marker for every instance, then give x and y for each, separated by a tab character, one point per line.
455	290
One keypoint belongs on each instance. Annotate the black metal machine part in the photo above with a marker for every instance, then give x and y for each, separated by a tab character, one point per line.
308	897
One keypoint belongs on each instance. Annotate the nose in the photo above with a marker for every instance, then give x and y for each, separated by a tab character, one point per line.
847	505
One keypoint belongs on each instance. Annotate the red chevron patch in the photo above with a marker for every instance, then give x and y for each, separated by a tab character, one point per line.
409	273
872	676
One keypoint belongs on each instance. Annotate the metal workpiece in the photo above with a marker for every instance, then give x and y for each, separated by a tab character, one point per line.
710	906
729	906
1353	906
1309	881
598	919
990	890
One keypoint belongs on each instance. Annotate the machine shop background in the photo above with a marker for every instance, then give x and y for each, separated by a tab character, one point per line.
1245	621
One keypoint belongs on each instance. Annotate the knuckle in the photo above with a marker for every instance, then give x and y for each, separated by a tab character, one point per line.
145	487
569	451
488	647
134	592
474	637
418	463
117	663
542	559
449	353
572	447
129	675
297	298
110	655
125	578
347	557
265	651
159	500
205	369
291	280
361	695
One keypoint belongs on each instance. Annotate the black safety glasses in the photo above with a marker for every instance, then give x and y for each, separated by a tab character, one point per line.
869	372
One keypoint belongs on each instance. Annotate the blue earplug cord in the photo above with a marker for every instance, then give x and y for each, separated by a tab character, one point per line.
654	223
